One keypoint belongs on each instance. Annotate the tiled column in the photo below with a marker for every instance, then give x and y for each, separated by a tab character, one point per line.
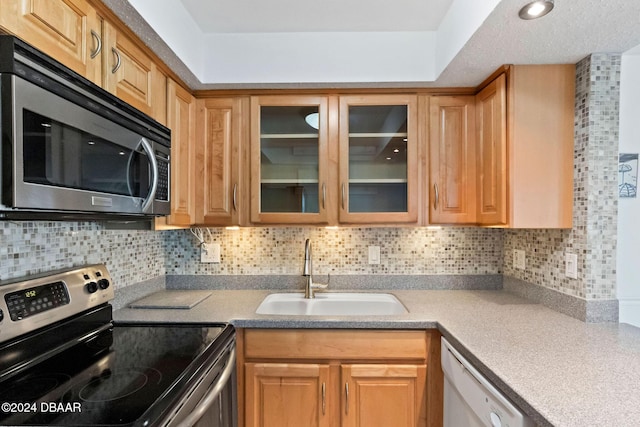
596	171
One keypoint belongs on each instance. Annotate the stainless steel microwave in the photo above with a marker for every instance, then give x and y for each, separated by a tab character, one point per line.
71	149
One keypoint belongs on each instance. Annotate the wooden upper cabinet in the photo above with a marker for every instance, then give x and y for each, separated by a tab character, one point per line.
290	159
70	31
452	161
491	137
525	133
131	75
219	179
540	135
181	117
358	163
378	159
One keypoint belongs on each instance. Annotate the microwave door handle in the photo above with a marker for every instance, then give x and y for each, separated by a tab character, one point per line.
129	167
148	202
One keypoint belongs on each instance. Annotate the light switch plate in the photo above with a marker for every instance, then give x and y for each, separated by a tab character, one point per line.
519	261
374	254
210	252
571	265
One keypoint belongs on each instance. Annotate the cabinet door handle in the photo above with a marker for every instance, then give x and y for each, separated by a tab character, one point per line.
436	197
346	398
118	60
343	196
324	397
98	39
324	194
235	194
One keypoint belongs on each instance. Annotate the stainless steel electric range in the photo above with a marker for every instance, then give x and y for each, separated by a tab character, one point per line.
63	361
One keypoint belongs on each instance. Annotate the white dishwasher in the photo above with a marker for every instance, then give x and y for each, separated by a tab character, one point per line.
470	400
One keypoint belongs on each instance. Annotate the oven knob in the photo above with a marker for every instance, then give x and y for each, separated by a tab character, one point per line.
103	283
92	287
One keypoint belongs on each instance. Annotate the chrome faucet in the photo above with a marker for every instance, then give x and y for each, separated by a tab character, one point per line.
307	271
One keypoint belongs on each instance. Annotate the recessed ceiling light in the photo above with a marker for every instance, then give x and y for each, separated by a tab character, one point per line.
536	9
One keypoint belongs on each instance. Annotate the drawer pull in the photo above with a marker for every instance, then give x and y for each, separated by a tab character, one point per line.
324	397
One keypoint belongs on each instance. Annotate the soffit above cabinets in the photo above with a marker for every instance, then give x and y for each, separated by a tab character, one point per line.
213	44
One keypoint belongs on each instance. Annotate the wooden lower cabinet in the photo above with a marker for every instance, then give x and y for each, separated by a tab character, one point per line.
383	395
286	394
343	378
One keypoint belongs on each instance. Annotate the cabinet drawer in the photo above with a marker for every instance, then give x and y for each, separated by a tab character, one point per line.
335	344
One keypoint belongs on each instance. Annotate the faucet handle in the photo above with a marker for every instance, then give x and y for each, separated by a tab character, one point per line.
322	285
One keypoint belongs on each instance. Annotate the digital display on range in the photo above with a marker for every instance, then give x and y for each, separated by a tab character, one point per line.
27	302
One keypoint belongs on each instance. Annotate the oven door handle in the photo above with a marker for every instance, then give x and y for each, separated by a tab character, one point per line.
148	202
213	392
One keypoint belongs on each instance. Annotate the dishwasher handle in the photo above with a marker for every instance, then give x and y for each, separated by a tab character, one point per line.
213	393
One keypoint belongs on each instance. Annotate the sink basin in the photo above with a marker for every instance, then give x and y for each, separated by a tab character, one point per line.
332	304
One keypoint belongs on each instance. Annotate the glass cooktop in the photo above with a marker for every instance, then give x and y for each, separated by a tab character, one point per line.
125	376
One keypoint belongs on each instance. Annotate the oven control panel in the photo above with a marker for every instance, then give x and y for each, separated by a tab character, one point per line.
28	302
38	301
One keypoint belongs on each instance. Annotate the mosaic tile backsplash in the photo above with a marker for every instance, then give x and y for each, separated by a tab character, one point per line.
31	247
341	251
134	256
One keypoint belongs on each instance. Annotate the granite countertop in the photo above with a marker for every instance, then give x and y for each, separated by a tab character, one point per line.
560	371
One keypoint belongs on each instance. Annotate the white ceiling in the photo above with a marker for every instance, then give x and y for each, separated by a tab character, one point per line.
335	43
289	16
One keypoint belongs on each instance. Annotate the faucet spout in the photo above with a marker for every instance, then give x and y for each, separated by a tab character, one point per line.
307	271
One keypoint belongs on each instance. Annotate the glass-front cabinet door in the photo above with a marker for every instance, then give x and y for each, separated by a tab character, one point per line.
289	157
378	159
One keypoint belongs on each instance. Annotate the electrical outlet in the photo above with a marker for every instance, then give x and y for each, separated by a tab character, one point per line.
571	265
374	254
210	252
519	261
